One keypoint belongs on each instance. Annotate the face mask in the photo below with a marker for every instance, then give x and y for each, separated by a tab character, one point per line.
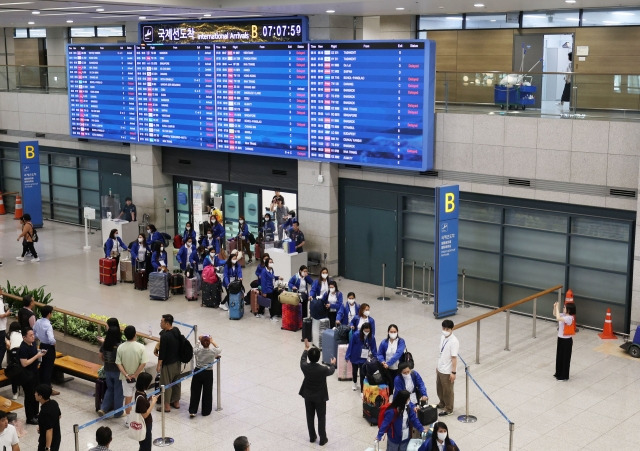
442	436
209	236
324	276
351	301
445	333
266	219
365	333
161	248
332	290
234	260
366	313
115	235
406	376
212	256
188	228
270	265
241	221
393	336
188	244
148	231
140	240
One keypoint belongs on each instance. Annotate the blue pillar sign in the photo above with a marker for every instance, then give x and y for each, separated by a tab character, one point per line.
446	251
30	176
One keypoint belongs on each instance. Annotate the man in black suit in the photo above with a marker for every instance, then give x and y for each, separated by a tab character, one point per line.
314	390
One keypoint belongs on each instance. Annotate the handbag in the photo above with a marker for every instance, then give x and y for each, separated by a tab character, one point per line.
235	287
407	357
252	238
137	426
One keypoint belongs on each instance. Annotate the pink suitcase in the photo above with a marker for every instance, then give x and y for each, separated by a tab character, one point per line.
345	372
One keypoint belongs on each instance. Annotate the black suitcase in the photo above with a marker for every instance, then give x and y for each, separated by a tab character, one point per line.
211	294
101	389
176	283
427	414
140	279
307	325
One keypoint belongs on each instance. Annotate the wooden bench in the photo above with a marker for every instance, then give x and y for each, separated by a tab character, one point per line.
9	405
75	367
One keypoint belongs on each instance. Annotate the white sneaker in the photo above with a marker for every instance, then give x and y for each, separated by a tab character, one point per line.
15	396
354	387
274	319
20	259
258	315
224	307
37	259
126	424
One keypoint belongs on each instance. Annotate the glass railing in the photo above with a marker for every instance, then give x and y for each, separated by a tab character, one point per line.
33	78
611	96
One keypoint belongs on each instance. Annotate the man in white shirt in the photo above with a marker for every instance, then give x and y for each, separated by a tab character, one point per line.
446	371
131	358
8	434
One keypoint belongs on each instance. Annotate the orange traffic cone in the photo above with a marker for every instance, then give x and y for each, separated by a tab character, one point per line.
19	211
2	210
568	298
607	330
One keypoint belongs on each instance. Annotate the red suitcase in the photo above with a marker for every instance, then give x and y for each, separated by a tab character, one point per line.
108	274
344	368
291	317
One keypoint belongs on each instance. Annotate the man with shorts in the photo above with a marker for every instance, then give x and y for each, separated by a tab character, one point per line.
131	358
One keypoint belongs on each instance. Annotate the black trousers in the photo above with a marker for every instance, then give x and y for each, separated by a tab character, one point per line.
29	380
389	376
316	408
3	349
46	366
566	93
202	383
276	307
354	369
28	246
145	445
304	297
332	319
563	358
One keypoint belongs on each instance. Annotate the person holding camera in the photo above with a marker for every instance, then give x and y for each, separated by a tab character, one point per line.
205	354
29	356
131	358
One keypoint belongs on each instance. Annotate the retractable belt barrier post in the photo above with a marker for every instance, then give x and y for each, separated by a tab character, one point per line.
383	297
401	290
428	297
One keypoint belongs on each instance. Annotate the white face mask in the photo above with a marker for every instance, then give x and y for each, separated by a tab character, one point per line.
366	313
266	220
445	333
188	244
115	236
188	228
442	436
241	221
140	240
270	265
406	376
332	290
365	333
209	236
148	231
351	301
161	249
212	256
234	260
393	336
324	275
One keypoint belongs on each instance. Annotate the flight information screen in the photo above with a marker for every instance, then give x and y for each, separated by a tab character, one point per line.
102	92
360	103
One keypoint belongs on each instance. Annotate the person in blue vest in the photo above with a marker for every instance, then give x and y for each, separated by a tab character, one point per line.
362	318
396	424
187	254
154	238
113	246
333	302
232	271
268	228
439	440
212	259
389	353
188	233
243	239
348	310
361	344
267	279
410	380
301	283
159	259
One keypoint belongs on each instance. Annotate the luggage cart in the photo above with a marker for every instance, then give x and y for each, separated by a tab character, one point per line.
514	96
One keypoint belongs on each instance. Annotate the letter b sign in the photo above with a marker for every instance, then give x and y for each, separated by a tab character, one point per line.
450	203
29	152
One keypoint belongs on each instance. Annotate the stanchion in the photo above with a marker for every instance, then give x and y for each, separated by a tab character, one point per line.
467	418
218	394
512	427
464	276
383	297
76	431
423	294
413	294
162	441
506	344
402	291
428	300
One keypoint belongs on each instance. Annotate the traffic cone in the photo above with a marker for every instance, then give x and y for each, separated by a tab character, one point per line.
2	210
568	299
19	211
607	330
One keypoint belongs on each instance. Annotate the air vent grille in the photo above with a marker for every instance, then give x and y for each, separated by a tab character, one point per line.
520	182
623	193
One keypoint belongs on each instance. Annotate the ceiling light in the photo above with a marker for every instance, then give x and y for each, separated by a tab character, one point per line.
492	20
142	17
454	18
35	12
573	19
570	1
207	15
479	5
100	10
69	21
31	23
330	11
622	13
440	7
400	9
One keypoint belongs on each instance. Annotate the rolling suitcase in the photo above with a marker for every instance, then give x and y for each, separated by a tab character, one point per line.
159	286
140	279
318	326
373	397
191	288
307	325
176	283
236	305
253	295
344	368
126	270
329	345
108	275
101	389
427	414
211	294
264	301
291	317
231	245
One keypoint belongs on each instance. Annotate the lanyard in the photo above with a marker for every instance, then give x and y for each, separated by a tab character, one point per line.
443	345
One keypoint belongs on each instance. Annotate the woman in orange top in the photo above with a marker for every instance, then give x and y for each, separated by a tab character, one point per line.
566	330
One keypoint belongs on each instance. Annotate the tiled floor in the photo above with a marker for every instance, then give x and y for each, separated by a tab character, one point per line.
598	409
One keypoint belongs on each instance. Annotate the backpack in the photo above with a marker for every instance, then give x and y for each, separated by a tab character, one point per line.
209	274
383	410
186	350
407	357
177	242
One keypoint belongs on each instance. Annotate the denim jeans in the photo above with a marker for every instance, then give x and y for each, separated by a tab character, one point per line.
113	398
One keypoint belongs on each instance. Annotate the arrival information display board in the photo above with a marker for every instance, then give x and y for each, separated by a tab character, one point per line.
360	103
